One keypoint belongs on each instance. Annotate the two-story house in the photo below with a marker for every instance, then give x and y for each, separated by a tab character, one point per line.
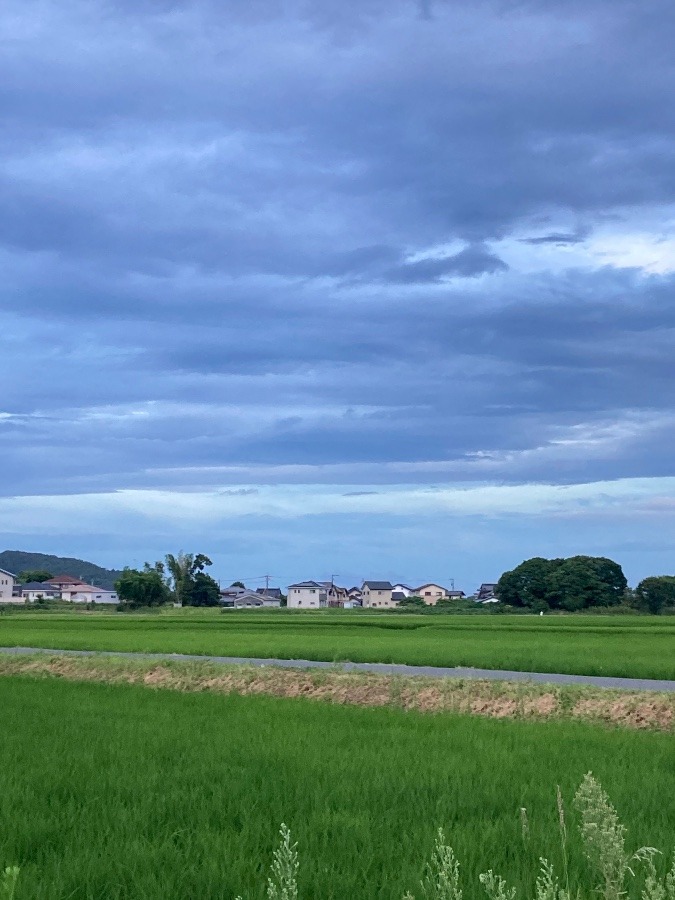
315	594
377	595
431	593
306	595
7	582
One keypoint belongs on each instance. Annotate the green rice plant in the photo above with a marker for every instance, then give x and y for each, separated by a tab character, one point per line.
603	839
8	880
633	646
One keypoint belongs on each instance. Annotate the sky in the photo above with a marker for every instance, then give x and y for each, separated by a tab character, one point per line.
351	288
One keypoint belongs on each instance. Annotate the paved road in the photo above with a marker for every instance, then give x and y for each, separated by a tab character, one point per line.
631	684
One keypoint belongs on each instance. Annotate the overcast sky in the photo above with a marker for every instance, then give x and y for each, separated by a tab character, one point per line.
372	288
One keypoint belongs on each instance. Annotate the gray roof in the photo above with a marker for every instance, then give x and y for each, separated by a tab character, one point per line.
379	585
398	595
308	584
270	592
5	572
39	586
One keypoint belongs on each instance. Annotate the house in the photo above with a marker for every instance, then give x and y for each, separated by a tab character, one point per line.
431	593
486	593
251	600
404	589
456	595
275	593
230	593
37	590
315	594
88	593
377	595
64	582
7	582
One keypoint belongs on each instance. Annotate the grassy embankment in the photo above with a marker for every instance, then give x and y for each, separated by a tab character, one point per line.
623	646
113	791
494	699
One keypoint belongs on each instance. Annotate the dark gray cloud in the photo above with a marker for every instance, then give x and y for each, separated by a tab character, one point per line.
324	234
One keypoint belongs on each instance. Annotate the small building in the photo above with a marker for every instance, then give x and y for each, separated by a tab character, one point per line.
38	590
431	593
7	583
377	595
486	593
456	595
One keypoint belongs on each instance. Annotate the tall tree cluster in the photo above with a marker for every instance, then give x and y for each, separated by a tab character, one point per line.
180	578
572	584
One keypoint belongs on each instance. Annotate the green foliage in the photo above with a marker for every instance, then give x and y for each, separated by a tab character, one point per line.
655	594
147	587
8	880
573	584
33	575
528	583
183	570
202	590
413	602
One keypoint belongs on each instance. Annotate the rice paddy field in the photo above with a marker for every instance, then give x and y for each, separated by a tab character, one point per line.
628	646
119	791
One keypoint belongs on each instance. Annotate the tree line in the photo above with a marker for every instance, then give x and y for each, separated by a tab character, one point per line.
178	579
581	582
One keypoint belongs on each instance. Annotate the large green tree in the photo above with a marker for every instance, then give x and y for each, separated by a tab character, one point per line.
183	570
528	584
203	591
571	584
143	587
581	582
655	594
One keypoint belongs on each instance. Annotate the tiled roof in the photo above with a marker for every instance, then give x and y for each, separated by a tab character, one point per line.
64	579
378	585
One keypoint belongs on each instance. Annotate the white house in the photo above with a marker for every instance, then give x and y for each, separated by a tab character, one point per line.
37	590
377	595
315	594
7	582
306	595
87	593
404	589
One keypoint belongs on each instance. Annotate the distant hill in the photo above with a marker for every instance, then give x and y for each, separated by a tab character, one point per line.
16	561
